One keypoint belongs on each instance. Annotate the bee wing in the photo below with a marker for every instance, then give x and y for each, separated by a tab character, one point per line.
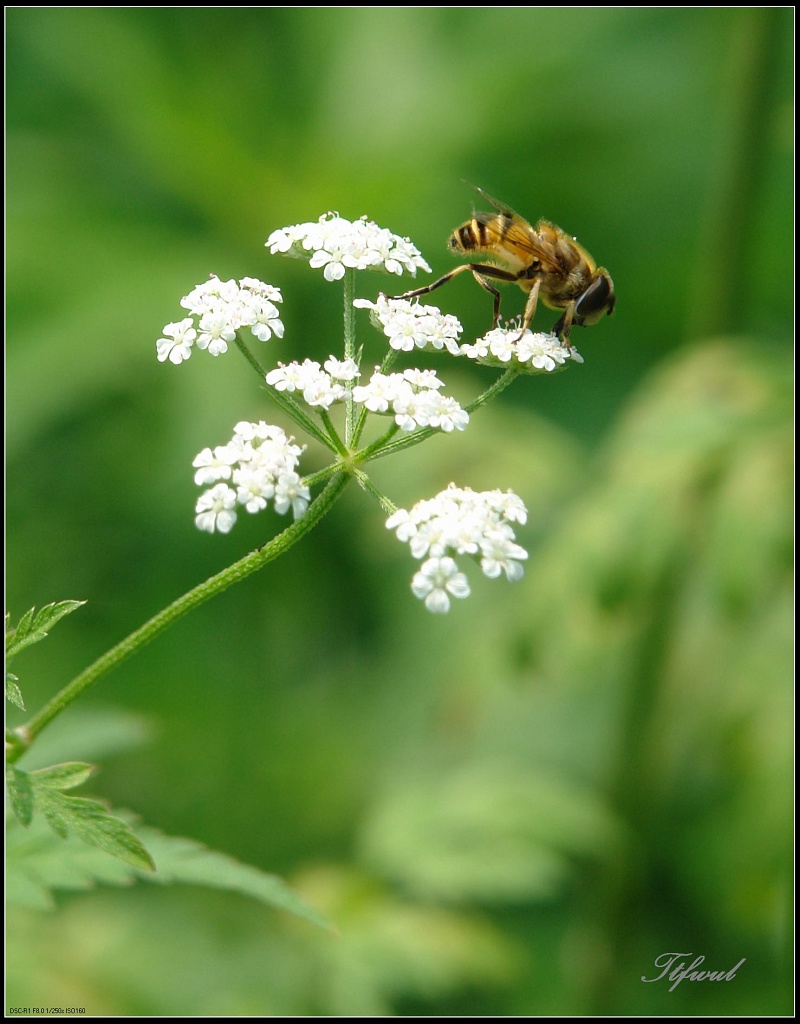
500	207
519	234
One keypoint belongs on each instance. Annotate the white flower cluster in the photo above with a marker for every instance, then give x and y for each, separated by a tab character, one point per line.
413	398
409	325
542	352
319	387
335	244
219	309
460	521
258	464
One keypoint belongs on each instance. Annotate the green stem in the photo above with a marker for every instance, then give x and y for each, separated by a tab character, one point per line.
367	485
349	288
333	433
249	356
409	440
252	562
294	410
494	390
367	453
358	430
285	402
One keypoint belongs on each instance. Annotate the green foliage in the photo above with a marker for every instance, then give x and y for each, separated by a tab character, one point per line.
89	820
34	626
40	863
488	833
13	692
189	862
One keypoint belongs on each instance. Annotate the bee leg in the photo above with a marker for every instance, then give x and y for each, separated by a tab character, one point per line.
480	271
563	326
494	293
530	308
436	284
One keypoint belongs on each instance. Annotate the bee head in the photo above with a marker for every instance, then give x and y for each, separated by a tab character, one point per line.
598	300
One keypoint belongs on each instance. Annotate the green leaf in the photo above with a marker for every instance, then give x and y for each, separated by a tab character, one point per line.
93	822
13	692
33	626
63	776
185	860
90	820
39	864
20	794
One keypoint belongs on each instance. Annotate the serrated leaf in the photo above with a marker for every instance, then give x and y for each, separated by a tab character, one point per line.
185	860
33	626
53	817
89	820
13	692
63	776
39	864
20	794
92	822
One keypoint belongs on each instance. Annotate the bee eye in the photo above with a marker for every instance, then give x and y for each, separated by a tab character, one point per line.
598	299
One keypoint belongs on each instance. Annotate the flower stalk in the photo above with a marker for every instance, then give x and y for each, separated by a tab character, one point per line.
259	465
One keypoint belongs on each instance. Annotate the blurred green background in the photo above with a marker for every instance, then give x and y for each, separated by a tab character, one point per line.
516	808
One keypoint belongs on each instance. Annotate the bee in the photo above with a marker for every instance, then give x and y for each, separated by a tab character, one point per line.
544	261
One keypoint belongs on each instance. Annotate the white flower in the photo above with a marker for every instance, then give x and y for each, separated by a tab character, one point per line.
335	244
478	351
318	387
425	380
445	413
215	331
539	353
379	393
342	369
260	460
459	521
501	553
215	509
264	319
261	431
219	309
283	239
502	344
289	378
413	398
177	345
253	487
210	295
216	465
256	287
290	493
334	263
437	579
409	325
542	351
